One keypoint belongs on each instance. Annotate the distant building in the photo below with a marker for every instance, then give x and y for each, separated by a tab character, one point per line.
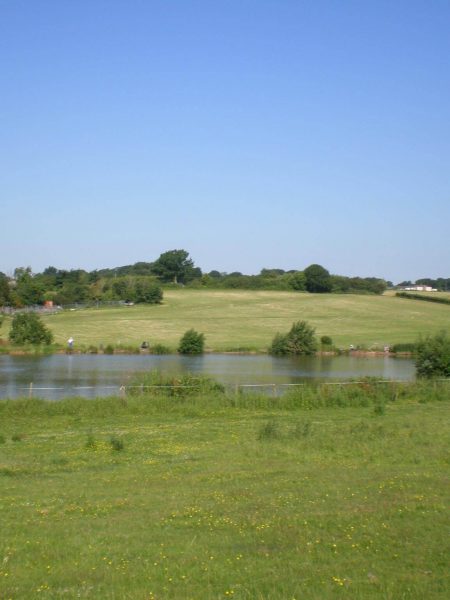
419	288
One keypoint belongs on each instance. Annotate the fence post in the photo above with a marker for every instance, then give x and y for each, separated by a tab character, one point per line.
30	391
274	387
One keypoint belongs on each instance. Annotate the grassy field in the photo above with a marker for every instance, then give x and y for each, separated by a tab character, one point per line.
248	320
213	498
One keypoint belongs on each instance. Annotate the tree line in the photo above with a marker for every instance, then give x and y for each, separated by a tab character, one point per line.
143	282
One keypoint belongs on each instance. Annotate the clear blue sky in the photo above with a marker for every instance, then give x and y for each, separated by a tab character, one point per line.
252	133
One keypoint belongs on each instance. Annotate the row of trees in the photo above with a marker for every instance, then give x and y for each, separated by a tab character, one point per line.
142	282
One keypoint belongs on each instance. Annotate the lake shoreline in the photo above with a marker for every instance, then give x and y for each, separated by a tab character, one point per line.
41	351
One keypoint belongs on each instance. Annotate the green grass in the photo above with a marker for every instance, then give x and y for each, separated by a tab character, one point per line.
197	498
248	320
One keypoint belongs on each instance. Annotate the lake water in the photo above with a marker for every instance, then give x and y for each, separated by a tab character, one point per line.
63	375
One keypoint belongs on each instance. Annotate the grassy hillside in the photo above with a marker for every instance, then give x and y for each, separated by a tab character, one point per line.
196	499
248	319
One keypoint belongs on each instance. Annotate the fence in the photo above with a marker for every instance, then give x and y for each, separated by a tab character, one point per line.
274	389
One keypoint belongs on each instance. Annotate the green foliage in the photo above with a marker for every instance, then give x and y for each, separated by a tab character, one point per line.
157	383
299	340
27	328
357	285
325	340
297	281
160	349
405	347
433	356
317	279
5	295
192	342
175	266
279	344
423	297
108	349
147	291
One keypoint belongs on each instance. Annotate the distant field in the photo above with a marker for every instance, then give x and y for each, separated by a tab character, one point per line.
206	501
247	319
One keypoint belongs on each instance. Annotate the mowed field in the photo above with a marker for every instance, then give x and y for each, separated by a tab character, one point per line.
199	499
248	320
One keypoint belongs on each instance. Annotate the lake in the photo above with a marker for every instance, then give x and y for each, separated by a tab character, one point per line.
62	375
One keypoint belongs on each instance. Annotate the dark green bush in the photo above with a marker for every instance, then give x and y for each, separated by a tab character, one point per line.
279	344
27	328
433	356
299	340
325	340
192	342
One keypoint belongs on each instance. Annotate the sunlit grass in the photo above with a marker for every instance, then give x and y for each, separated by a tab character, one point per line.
208	501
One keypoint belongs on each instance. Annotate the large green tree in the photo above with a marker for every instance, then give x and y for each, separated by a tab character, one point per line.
176	266
318	279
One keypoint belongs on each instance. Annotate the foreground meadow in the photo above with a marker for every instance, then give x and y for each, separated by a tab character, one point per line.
227	497
248	320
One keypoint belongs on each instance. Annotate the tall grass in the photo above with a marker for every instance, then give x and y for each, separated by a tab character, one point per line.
150	396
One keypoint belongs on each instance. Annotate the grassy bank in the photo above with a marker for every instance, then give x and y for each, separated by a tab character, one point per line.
247	320
209	497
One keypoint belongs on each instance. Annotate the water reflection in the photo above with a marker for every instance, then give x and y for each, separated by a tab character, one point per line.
92	375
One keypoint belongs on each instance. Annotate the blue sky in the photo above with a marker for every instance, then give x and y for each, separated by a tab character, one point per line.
251	133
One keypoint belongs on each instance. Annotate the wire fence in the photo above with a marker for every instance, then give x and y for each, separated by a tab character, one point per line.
276	389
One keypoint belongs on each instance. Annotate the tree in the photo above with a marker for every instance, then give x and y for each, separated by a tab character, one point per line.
147	291
5	295
192	342
299	340
297	281
433	356
318	279
27	328
176	266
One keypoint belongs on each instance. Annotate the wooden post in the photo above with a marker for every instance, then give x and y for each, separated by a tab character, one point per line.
30	391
